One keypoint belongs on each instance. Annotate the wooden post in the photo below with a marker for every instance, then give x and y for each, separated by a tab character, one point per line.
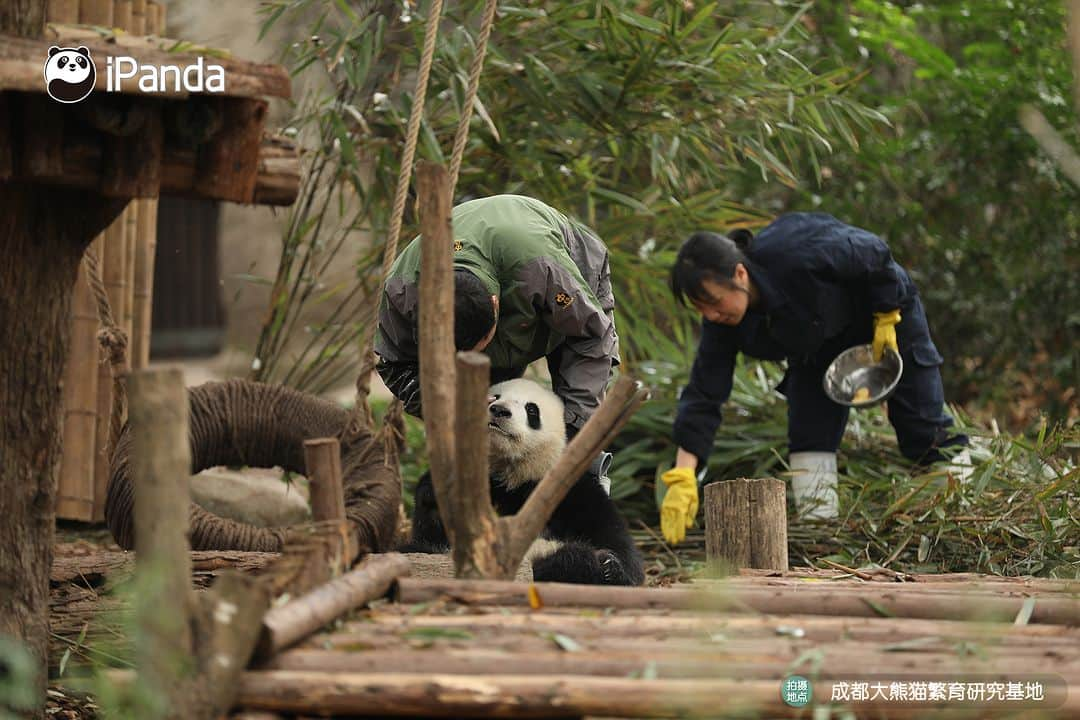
155	18
322	460
122	14
438	382
160	464
746	523
471	512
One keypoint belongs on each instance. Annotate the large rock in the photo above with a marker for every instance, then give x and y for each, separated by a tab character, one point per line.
257	496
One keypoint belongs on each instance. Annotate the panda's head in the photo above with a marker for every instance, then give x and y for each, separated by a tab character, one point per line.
69	73
526	431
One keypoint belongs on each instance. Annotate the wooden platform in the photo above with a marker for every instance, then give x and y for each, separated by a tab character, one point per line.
450	649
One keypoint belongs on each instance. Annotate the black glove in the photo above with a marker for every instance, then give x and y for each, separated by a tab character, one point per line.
403	379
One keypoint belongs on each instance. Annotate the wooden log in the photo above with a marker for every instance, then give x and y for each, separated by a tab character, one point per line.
96	12
277	182
119	566
810	600
661	659
138	17
131	162
471	512
228	165
142	296
62	11
76	491
42	140
746	523
524	696
438	372
668	623
293	621
160	462
322	460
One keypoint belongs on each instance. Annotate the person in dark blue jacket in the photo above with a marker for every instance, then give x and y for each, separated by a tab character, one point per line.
805	289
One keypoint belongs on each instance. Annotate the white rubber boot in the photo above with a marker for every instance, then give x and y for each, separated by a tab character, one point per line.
813	483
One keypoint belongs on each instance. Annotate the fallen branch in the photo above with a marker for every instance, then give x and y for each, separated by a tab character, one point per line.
293	621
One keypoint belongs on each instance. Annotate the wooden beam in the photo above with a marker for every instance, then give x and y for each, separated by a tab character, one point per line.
228	164
860	602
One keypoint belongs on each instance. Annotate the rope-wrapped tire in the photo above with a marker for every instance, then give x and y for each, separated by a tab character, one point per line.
238	423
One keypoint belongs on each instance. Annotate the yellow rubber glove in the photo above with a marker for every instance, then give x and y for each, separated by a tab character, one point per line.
680	503
885	332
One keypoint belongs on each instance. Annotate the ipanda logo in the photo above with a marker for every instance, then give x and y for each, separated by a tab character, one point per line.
70	75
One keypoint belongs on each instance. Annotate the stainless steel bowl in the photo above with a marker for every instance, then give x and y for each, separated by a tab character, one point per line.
855	369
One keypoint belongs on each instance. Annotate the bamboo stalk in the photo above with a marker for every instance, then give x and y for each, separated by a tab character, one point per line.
293	621
122	14
131	234
143	291
138	17
75	493
62	11
322	461
96	12
864	602
155	18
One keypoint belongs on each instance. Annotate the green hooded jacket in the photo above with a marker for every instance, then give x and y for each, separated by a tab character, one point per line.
552	277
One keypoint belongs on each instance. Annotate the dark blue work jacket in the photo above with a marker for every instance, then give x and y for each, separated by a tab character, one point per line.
819	281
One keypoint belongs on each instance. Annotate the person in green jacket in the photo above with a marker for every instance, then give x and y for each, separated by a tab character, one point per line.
529	283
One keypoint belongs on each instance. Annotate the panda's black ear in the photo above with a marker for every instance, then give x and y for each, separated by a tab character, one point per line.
53	50
82	51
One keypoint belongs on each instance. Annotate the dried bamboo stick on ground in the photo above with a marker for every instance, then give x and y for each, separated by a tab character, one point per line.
322	464
525	696
868	602
291	622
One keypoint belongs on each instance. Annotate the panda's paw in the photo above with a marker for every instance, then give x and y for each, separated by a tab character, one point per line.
580	563
422	546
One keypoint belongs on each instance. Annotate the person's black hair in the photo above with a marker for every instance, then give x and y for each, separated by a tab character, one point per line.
708	256
474	313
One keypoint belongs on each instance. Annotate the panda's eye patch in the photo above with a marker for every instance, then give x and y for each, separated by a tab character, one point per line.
63	60
532	415
81	61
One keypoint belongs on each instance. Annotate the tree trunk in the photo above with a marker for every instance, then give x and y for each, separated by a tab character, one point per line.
42	238
25	18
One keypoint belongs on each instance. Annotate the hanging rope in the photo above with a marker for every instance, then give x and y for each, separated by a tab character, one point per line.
363	380
462	134
114	340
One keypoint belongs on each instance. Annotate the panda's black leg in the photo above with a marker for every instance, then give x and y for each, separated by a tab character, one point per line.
588	519
428	533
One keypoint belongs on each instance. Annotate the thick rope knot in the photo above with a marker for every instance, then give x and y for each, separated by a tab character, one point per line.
115	341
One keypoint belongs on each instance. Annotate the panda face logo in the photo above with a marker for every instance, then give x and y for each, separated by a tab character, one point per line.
70	74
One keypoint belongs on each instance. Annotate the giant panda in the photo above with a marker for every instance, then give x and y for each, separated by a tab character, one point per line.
586	540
